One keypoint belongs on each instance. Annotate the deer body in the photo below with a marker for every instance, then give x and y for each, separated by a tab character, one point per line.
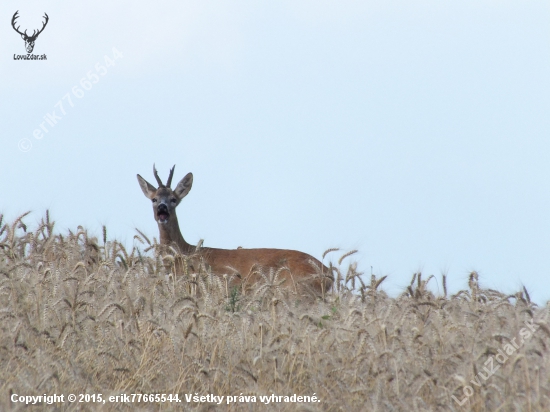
298	269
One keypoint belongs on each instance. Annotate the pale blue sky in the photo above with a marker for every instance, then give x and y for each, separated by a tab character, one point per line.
415	131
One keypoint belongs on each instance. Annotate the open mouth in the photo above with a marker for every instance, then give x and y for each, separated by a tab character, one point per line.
162	214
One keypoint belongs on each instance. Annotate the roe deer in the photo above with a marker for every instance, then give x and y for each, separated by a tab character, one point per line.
299	270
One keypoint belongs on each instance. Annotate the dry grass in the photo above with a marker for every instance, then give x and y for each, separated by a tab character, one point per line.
78	315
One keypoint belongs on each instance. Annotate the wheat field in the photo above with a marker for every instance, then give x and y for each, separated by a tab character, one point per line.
81	315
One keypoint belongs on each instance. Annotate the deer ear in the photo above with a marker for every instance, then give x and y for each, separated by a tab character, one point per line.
184	186
147	188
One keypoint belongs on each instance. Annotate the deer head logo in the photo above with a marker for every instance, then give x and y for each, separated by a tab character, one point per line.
29	40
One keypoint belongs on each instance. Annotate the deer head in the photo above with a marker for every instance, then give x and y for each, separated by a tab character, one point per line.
165	200
29	40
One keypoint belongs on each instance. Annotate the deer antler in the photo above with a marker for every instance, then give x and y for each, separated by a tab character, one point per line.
34	33
43	26
169	181
15	16
157	176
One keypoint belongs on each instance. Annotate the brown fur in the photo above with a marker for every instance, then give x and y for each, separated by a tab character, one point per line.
296	270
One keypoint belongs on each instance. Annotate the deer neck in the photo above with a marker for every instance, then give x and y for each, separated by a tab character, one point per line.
170	233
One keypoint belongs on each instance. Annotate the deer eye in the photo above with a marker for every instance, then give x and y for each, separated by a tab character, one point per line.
154	200
173	200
